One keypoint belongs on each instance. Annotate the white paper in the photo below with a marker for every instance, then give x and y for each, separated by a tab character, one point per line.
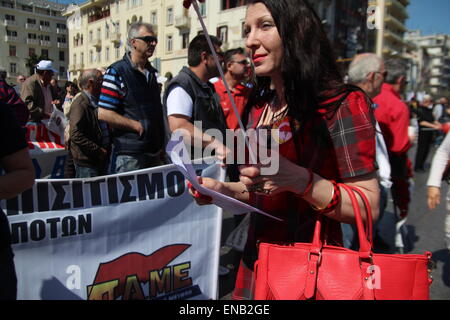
179	155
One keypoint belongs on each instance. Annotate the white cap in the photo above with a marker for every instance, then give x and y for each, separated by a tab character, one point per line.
45	65
161	79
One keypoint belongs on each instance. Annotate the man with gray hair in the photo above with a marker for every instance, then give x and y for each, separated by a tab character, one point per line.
393	116
367	72
130	103
88	142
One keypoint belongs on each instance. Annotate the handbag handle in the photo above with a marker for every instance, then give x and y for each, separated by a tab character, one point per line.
369	224
365	246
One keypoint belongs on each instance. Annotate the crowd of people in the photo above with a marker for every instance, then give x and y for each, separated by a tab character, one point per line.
357	132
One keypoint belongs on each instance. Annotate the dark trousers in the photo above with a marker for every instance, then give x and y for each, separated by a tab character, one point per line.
423	148
8	279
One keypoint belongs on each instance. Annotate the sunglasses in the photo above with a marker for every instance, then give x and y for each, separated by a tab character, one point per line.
243	62
148	39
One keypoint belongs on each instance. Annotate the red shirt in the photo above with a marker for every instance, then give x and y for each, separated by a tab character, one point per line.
393	116
240	95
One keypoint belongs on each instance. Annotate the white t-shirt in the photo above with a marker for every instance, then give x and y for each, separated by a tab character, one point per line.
179	102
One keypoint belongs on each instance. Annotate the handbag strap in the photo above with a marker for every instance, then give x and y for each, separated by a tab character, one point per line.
369	224
365	246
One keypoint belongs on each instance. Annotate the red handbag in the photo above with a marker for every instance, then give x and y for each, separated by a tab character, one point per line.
299	271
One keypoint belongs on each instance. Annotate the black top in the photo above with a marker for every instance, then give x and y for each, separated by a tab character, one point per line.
12	140
424	114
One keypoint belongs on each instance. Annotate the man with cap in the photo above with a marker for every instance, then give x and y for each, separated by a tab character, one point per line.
36	92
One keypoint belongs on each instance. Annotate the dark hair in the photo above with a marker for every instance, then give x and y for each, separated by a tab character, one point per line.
69	84
228	56
395	68
309	68
198	45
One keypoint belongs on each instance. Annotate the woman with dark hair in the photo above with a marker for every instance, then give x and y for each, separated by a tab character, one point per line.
330	140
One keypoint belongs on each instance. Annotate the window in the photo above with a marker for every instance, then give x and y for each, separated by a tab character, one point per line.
27	8
74	59
117	53
203	9
82	58
61	56
99	56
32	36
185	40
154	18
12	51
11	33
169	15
62	71
62	39
13	68
169	43
91	56
91	36
31	21
99	33
44	23
81	40
229	4
44	53
107	31
222	34
107	54
10	17
61	26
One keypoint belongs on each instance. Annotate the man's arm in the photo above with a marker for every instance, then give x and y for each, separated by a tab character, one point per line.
27	95
78	125
19	174
118	121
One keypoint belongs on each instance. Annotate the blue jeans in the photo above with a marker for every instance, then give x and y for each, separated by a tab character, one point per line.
128	162
86	172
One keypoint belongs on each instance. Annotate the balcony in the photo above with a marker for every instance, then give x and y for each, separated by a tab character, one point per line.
33	41
61	31
183	22
45	29
11	39
80	67
96	43
46	43
72	67
115	37
62	45
31	26
10	23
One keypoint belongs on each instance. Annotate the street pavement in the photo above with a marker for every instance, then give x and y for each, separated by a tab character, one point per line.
424	232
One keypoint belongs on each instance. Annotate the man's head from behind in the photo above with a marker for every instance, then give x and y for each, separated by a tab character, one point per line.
236	63
91	81
200	55
396	74
142	39
367	71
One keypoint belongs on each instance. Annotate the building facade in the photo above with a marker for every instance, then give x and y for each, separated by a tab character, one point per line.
98	38
431	68
32	28
98	30
386	38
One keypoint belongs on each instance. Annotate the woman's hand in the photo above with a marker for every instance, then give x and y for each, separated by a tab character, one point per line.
207	183
434	197
289	177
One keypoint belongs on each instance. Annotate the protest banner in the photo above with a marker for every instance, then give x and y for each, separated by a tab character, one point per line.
46	151
136	235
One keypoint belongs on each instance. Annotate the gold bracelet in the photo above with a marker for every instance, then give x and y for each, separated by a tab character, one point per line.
320	209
